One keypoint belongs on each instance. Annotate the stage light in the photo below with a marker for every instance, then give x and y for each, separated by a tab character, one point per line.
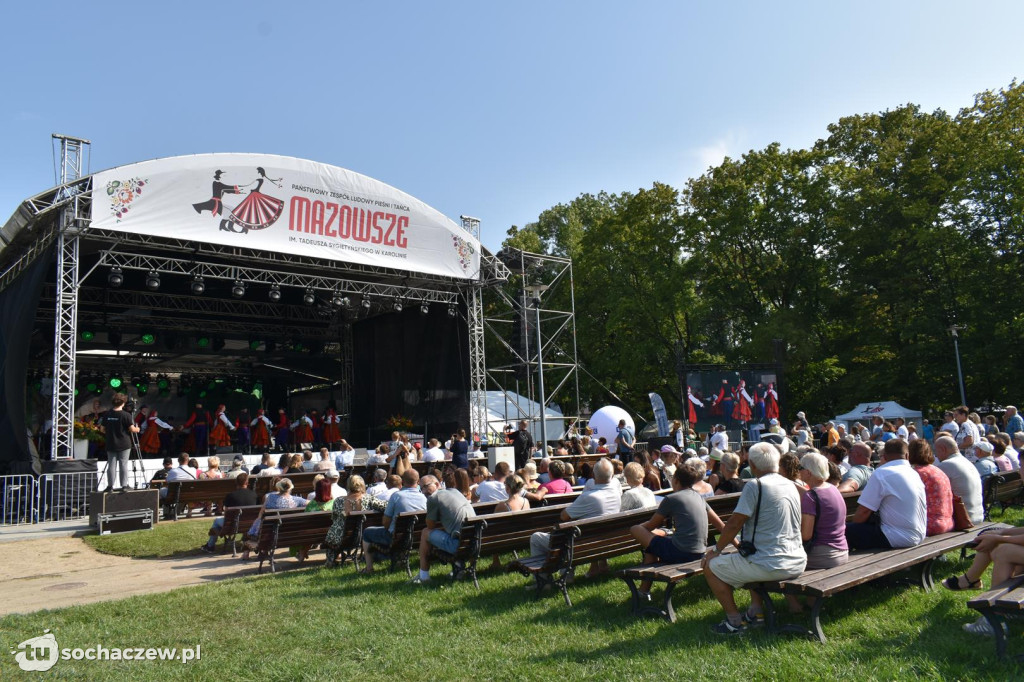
452	312
198	285
203	342
148	339
366	302
424	309
275	293
153	280
254	344
162	382
338	300
115	382
202	394
114	338
309	298
238	289
116	277
93	386
398	305
88	336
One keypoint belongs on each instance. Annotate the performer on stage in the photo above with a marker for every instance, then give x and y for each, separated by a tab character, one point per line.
140	416
149	441
261	432
759	403
257	211
302	429
282	435
318	428
242	431
214	205
726	399
332	427
198	421
742	404
692	404
771	402
220	436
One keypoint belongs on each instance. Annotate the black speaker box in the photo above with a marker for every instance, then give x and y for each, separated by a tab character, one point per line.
127	501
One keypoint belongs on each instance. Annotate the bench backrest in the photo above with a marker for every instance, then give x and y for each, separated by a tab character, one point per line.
1003	487
302	528
201	490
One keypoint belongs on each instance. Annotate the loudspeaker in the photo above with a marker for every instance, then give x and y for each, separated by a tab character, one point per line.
69	466
127	501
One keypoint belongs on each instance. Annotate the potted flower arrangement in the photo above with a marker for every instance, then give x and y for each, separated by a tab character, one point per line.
399	423
85	433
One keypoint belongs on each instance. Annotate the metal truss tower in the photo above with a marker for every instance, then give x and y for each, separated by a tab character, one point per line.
72	152
477	356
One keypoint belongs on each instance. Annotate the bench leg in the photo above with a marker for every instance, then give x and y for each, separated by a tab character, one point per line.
634	595
769	609
562	583
666	608
996	621
925	575
816	630
771	621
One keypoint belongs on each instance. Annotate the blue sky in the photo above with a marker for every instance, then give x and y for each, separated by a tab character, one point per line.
498	110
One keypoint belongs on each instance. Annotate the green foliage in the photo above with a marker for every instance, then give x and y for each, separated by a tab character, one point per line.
860	253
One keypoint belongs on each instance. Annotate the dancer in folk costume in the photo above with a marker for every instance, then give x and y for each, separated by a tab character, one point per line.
198	422
302	429
727	399
214	205
692	403
220	436
283	434
759	403
332	427
771	402
242	431
141	416
742	404
716	402
149	441
318	427
257	211
260	435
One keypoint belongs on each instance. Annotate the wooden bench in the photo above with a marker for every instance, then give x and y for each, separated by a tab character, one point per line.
285	528
1003	489
350	547
303	483
673	574
998	605
863	567
580	542
201	491
237	521
494	534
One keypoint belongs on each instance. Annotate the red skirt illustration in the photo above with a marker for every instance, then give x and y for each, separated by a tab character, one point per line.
257	211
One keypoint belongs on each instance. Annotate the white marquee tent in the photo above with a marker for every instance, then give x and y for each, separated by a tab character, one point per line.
507	407
886	409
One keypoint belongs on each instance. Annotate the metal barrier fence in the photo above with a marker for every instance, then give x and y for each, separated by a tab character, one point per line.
51	497
19	499
63	497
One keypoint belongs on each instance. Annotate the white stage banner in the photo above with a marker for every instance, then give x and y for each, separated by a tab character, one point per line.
283	204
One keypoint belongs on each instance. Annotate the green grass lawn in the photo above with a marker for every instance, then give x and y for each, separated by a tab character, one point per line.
320	624
165	540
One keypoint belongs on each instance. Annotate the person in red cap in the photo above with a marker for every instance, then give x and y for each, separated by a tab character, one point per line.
332	427
260	437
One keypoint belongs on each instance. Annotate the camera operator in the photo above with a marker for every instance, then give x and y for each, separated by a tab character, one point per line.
117	425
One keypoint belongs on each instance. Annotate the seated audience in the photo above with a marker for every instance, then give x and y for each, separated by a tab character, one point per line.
515	500
769	514
241	496
937	492
447	510
823	515
984	463
689	514
407	499
728	480
1004	550
964	480
860	469
638	496
494	489
557	485
281	499
379	485
702	487
896	492
999	454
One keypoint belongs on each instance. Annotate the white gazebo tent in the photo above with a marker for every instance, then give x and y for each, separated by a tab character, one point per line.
886	409
508	407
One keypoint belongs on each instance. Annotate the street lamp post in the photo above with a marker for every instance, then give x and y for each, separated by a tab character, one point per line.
535	291
954	330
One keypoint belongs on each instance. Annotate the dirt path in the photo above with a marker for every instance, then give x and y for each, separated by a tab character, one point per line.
56	572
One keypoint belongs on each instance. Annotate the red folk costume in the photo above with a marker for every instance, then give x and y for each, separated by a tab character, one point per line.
742	402
332	432
771	403
716	403
149	440
220	436
302	430
260	436
692	403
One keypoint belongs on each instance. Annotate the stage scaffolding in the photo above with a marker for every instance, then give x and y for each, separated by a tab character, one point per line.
510	325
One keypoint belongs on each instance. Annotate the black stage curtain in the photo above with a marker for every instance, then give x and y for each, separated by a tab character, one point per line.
18	303
411	365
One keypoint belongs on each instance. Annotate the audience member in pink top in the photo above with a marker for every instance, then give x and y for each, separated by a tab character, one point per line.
937	491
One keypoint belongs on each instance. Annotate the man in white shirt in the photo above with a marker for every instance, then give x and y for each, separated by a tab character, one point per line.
602	499
433	453
964	479
344	458
182	472
494	489
949	425
967	433
896	492
901	430
720	439
379	484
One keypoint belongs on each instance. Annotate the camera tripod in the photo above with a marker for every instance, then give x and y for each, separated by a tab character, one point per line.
135	456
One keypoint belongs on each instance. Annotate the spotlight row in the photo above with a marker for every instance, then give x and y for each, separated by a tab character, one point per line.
238	289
